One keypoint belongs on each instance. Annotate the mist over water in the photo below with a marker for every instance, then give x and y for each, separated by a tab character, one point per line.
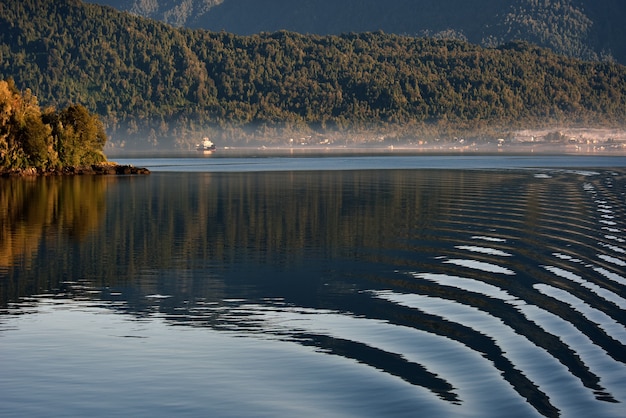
278	286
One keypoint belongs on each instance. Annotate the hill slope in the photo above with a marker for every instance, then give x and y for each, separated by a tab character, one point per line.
155	85
588	29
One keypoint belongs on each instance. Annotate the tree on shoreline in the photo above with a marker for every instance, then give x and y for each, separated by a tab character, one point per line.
49	139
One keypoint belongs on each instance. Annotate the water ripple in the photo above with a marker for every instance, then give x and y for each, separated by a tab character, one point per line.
481	265
471	294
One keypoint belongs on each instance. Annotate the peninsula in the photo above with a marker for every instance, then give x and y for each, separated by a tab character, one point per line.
35	141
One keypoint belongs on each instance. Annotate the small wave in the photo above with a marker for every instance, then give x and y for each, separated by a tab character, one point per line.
484	250
613	237
613	248
467	284
605	322
600	291
480	265
613	260
567	257
610	275
486	238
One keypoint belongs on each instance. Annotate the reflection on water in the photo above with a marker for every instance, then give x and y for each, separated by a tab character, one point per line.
36	211
477	293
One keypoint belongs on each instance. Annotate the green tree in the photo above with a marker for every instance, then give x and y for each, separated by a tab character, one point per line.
81	137
48	139
35	137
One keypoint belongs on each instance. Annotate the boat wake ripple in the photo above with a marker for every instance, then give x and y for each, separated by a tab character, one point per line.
487	295
524	286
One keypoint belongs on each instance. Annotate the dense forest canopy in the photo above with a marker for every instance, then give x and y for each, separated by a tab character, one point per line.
587	29
32	138
158	86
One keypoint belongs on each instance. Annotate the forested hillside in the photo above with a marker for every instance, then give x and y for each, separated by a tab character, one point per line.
588	29
155	85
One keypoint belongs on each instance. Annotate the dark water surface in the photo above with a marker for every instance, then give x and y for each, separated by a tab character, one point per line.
286	287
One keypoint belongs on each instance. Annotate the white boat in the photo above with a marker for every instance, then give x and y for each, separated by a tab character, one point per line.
207	146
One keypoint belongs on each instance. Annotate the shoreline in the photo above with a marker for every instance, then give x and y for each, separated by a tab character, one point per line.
107	168
458	148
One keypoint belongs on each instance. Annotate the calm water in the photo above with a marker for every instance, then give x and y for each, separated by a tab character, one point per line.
371	286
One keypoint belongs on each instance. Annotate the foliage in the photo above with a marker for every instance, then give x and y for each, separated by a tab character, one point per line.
30	138
588	29
155	85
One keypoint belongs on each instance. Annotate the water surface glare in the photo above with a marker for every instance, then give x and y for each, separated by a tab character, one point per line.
396	286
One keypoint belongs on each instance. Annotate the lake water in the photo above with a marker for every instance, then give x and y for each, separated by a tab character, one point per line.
365	286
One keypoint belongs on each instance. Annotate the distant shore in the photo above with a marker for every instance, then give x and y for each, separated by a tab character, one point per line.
451	148
553	140
107	168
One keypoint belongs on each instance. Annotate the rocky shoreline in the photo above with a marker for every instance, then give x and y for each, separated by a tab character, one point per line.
95	169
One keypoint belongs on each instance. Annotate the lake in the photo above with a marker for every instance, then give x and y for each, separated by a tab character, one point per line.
280	286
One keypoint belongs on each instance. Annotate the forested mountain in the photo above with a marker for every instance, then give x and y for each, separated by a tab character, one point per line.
155	85
588	29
